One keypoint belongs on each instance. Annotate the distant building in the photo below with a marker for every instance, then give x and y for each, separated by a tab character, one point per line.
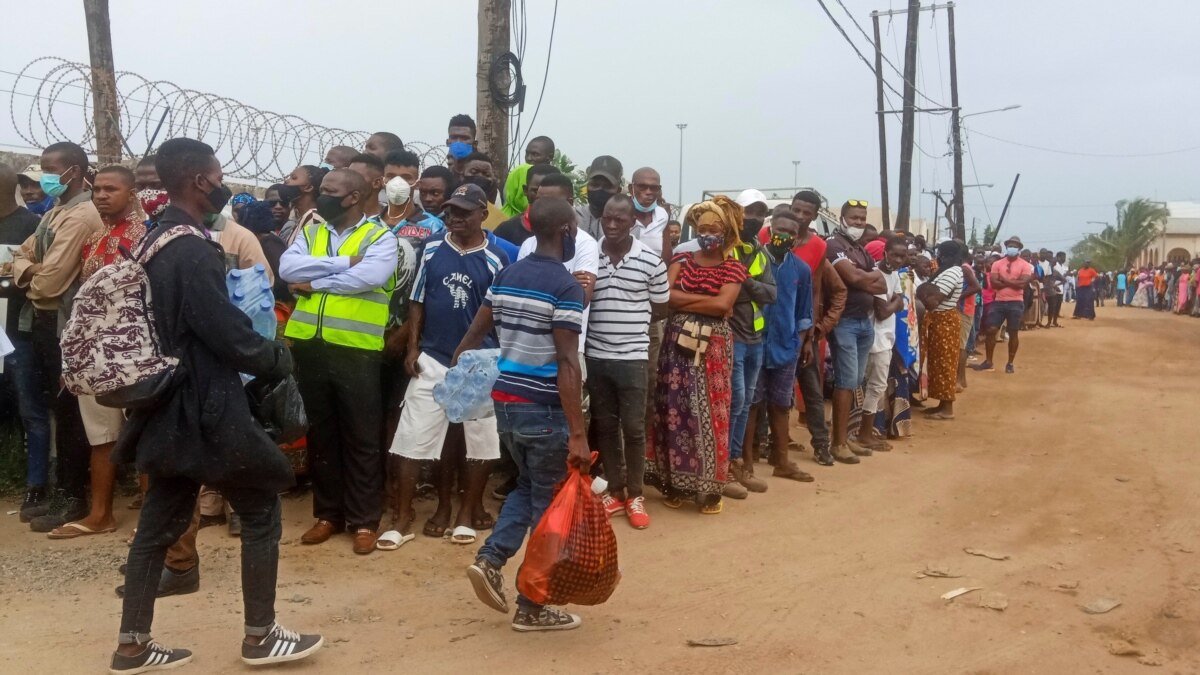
1180	237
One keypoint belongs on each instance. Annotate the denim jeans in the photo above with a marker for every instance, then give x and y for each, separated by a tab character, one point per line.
747	364
617	390
851	340
166	513
537	436
33	401
813	393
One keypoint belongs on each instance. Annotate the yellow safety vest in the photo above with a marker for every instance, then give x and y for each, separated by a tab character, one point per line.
349	320
754	268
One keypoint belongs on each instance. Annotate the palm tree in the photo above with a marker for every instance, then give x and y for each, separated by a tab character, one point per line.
1139	222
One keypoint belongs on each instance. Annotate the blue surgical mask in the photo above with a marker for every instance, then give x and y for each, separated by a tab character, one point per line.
52	183
710	242
325	165
644	209
1012	251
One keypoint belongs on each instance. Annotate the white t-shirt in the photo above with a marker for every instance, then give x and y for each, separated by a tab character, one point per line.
885	330
587	259
651	235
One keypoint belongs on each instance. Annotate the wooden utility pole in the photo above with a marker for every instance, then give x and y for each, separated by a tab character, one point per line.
104	82
491	119
879	114
958	224
909	116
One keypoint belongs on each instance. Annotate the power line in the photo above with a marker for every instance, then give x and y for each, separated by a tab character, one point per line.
1090	154
545	74
971	156
854	46
885	58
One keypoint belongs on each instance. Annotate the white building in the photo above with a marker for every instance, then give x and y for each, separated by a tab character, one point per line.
1180	238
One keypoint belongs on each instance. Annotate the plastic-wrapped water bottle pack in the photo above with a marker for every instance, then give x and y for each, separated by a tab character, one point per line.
466	393
250	291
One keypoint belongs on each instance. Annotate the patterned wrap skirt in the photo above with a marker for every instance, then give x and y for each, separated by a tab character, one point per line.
687	453
943	348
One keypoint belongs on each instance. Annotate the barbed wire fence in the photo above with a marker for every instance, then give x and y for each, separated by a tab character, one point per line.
51	101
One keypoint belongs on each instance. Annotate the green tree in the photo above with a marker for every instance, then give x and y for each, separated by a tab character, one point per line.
568	169
1139	222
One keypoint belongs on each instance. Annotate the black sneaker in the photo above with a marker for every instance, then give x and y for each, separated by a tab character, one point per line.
279	646
822	456
171	583
156	657
72	509
488	583
544	618
35	504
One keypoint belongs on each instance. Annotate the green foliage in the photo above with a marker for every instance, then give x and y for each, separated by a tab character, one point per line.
577	175
1139	222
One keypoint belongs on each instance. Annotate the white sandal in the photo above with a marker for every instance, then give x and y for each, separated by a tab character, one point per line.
392	540
461	535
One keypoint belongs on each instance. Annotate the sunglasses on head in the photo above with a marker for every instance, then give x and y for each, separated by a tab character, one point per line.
857	202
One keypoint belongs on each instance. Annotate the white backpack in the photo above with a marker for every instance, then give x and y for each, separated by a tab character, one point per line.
110	346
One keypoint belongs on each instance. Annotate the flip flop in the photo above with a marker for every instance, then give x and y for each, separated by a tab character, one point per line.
434	530
484	523
393	540
72	530
461	535
940	416
791	471
713	509
673	502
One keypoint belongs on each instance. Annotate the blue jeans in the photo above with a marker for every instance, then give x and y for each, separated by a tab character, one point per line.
34	404
536	434
851	338
747	364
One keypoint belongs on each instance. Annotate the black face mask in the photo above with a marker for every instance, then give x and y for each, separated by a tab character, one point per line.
568	246
218	197
289	193
597	199
750	228
330	207
486	184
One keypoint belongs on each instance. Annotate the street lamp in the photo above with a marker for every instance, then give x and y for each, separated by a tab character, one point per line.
681	127
795	173
996	110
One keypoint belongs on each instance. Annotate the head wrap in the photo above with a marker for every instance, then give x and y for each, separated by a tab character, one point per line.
256	217
719	209
243	198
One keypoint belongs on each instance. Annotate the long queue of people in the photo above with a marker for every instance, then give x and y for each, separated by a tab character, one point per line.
679	362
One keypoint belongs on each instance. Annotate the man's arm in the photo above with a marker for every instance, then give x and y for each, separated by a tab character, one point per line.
761	289
481	326
296	266
367	272
835	298
972	280
872	282
570	391
416	323
64	258
885	308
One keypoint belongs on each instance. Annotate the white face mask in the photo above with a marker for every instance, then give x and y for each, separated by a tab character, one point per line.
399	192
855	233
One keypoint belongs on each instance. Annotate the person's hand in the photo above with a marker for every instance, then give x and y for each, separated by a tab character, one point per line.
410	362
355	259
806	352
586	280
579	455
396	343
304	289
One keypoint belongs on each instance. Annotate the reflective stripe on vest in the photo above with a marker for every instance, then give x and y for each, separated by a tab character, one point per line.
755	269
349	320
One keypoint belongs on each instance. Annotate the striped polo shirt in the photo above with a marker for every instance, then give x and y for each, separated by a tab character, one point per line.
529	299
618	328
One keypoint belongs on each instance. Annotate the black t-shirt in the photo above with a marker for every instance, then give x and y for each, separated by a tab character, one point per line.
15	228
859	304
513	230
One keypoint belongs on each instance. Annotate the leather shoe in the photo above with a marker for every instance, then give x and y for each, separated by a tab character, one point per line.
173	583
320	532
364	540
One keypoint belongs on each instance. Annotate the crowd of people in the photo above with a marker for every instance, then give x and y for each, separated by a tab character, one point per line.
1169	287
677	361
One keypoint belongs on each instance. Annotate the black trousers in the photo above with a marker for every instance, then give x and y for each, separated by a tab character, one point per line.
71	444
813	393
166	513
343	397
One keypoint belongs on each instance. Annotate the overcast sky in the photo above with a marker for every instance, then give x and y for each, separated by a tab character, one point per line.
759	85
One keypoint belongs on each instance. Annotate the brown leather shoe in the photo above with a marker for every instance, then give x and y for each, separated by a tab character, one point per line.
320	532
364	540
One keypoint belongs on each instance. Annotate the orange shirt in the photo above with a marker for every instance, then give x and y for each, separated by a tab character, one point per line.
1086	276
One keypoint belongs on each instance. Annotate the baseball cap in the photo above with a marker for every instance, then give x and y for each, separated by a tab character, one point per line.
33	172
608	167
1016	239
751	196
468	196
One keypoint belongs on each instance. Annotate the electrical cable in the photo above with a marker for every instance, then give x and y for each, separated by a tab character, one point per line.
1091	154
886	60
545	73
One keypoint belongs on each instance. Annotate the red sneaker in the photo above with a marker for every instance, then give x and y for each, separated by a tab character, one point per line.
636	510
613	506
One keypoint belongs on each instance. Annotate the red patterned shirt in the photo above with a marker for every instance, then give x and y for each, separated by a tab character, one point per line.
104	247
694	278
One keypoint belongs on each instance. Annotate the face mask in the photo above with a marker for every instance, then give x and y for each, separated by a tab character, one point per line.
289	193
52	183
598	198
218	197
750	228
710	242
1012	252
153	201
40	208
398	191
458	149
781	243
855	233
325	165
644	209
210	219
568	245
330	207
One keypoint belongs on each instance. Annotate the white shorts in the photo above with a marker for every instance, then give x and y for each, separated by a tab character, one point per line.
101	423
423	423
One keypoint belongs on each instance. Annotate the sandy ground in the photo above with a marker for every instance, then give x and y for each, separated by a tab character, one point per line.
1080	468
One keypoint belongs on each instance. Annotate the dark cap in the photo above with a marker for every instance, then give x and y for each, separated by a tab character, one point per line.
468	196
607	166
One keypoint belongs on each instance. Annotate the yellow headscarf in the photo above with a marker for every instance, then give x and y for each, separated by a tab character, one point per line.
723	210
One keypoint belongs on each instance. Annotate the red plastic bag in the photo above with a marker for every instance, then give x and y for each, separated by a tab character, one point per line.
572	555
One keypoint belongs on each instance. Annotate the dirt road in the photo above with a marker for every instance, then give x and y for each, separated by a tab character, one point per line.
1082	468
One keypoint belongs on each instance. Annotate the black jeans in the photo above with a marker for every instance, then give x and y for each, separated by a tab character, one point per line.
166	513
813	393
343	397
617	390
73	454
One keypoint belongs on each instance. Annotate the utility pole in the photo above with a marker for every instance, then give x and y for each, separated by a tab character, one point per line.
680	127
492	120
960	218
879	114
795	173
909	116
104	82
